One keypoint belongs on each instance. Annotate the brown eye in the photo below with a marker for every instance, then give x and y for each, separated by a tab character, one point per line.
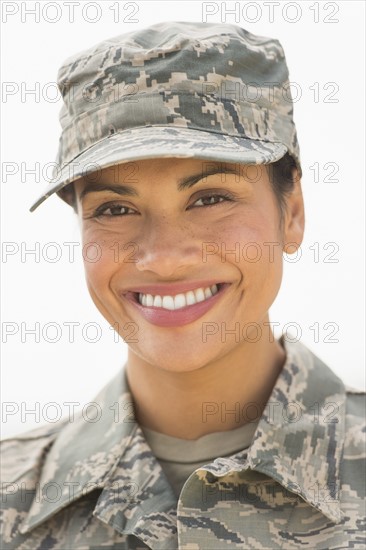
112	210
213	199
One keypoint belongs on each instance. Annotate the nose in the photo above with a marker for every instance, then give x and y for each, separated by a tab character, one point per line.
168	249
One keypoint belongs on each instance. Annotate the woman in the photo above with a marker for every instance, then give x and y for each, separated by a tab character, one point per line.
179	155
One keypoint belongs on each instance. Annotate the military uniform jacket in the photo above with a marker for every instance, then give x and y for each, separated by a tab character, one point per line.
94	483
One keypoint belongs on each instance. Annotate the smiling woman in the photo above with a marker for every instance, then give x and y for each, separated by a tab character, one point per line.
235	439
171	230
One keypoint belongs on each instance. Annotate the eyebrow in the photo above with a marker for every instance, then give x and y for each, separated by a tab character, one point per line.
183	183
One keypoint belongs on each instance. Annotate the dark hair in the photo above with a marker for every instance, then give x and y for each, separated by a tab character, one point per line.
282	180
279	172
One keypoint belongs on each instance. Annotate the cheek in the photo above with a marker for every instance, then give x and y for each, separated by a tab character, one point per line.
101	256
252	238
252	243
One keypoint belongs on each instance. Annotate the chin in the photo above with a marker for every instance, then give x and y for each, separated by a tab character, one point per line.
175	360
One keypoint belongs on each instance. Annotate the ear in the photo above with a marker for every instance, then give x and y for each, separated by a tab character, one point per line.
294	219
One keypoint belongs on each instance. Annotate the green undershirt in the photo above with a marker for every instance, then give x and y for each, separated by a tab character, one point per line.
179	458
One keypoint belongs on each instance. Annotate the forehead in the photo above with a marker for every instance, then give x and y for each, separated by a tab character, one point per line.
174	168
170	164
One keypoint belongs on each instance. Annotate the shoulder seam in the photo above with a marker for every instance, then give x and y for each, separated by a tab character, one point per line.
47	433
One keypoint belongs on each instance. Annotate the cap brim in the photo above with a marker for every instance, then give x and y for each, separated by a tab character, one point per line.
149	142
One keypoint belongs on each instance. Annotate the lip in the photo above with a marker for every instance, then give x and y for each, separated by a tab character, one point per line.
179	317
172	289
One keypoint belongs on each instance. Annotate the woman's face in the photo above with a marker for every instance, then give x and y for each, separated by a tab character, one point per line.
163	222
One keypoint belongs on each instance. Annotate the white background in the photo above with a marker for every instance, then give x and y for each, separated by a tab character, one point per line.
312	291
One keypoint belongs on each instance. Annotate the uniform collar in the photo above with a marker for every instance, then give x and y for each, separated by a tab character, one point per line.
300	437
298	442
84	452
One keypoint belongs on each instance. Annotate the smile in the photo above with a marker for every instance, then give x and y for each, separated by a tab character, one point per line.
174	310
179	300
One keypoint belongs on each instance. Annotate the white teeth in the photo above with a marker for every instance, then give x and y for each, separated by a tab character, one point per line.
208	292
158	302
190	298
180	300
200	295
149	300
168	302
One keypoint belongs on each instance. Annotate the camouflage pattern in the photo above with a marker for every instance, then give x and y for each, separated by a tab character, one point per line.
87	485
175	89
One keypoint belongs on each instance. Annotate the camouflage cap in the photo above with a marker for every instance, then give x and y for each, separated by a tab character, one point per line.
175	89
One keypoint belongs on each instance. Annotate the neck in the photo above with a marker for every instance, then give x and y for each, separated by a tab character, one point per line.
219	396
